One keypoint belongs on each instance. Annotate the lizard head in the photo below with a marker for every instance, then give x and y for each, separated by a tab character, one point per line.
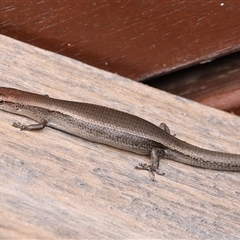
9	94
9	98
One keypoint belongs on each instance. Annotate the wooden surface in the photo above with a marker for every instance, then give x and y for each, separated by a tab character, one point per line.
136	39
141	40
216	84
54	185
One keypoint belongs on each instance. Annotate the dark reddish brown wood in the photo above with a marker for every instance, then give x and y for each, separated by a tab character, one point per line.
136	39
215	84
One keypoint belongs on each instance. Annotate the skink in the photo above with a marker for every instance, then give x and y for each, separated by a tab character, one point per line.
112	127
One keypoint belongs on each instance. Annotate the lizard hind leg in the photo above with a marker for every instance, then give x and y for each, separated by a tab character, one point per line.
156	154
165	128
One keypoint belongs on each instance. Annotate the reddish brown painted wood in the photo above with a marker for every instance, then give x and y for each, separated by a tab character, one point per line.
216	84
134	39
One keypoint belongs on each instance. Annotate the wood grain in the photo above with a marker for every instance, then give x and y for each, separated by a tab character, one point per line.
136	39
54	185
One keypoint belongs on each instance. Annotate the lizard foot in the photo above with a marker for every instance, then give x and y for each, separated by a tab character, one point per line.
150	169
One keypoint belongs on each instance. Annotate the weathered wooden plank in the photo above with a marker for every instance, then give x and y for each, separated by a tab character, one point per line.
54	185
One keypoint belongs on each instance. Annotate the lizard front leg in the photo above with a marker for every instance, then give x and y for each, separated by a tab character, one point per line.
37	126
